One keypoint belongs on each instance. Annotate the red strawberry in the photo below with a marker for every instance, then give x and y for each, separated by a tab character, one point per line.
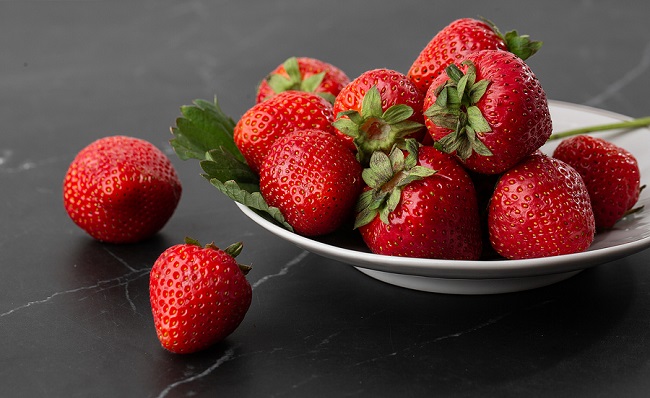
376	110
303	74
540	208
610	172
265	122
422	205
199	295
121	189
490	110
459	39
313	178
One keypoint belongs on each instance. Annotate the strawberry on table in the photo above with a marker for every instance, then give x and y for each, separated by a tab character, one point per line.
303	74
490	110
540	208
265	122
610	172
121	189
313	178
419	203
461	38
199	295
378	109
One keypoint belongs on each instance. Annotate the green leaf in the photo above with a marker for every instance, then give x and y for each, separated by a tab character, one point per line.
464	149
352	115
442	117
380	170
292	67
347	127
454	72
397	162
311	83
397	113
448	143
203	127
477	121
221	165
441	99
521	46
371	104
392	202
412	147
279	83
460	88
205	132
478	89
254	201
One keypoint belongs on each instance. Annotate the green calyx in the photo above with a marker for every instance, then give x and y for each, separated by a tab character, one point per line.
233	251
294	81
374	129
520	45
455	108
386	176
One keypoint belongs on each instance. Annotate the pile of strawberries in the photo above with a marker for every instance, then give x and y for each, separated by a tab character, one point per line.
441	162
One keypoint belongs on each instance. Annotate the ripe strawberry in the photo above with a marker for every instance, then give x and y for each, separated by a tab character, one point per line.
610	173
265	122
303	74
376	110
199	295
313	178
490	110
459	39
121	189
423	206
540	208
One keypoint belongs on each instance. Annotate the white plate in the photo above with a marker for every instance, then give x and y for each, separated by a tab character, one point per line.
499	276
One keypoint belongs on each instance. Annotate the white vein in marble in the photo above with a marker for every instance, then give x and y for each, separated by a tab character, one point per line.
629	77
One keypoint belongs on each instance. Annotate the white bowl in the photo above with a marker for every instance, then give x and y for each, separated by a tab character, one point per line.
629	236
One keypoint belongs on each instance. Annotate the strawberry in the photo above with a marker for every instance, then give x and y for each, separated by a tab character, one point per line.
265	122
313	178
490	110
376	110
610	173
540	208
303	74
459	39
419	203
199	295
121	189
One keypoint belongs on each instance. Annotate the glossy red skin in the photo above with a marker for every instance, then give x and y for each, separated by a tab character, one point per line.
452	44
265	122
515	106
610	172
540	208
333	81
437	217
394	88
198	297
314	179
121	189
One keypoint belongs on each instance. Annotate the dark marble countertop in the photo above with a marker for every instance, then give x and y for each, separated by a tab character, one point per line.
75	319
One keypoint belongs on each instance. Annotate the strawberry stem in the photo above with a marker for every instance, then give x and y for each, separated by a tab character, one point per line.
628	124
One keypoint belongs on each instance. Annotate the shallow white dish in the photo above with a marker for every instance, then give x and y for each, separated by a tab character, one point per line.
499	276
